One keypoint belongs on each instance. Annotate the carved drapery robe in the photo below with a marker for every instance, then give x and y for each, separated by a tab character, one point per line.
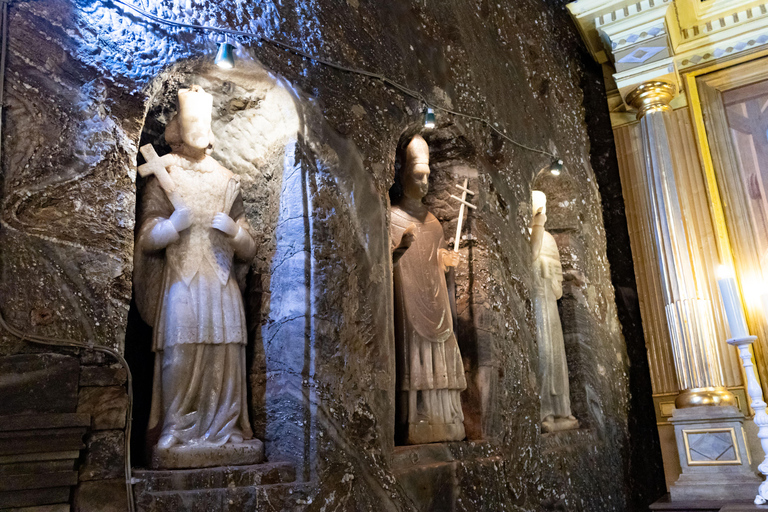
553	367
189	293
430	371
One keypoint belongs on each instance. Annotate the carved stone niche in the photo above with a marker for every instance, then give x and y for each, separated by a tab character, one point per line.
452	160
430	473
564	225
255	122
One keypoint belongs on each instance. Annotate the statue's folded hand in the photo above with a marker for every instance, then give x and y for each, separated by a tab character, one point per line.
181	219
165	232
225	224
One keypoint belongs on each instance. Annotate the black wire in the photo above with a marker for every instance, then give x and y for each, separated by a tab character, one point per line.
377	76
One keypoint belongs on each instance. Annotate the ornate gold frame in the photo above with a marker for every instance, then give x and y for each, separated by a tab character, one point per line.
724	248
734	441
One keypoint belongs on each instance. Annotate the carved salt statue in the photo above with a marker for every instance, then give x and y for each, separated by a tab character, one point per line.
430	372
548	287
192	235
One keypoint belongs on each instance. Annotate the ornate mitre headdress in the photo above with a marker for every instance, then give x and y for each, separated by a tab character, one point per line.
417	151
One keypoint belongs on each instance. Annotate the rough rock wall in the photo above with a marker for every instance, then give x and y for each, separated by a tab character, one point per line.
88	82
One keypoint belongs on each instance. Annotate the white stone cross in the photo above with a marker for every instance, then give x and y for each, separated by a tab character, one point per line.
464	202
157	165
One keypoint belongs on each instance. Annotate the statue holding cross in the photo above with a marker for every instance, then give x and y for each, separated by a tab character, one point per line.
430	371
192	245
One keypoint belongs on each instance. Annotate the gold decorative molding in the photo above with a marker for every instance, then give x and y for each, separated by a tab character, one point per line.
652	96
664	405
657	39
746	446
692	89
705	396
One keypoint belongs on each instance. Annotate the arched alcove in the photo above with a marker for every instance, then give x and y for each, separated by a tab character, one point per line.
565	222
453	159
256	124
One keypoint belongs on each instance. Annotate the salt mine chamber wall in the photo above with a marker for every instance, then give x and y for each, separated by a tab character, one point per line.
316	149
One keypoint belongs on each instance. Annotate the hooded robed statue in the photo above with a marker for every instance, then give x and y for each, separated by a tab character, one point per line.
430	371
193	243
548	288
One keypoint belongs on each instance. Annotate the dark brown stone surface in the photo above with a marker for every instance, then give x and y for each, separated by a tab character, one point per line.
38	383
104	455
101	496
41	434
102	375
106	405
61	507
43	422
43	480
34	497
87	84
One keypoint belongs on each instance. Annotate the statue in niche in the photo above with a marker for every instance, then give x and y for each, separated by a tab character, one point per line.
193	243
548	288
430	371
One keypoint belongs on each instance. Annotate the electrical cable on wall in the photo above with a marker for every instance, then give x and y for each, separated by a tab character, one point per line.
370	74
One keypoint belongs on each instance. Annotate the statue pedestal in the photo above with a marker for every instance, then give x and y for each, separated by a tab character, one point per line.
434	475
268	486
713	455
205	456
559	424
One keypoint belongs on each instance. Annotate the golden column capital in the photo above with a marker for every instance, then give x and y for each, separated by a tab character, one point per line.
653	96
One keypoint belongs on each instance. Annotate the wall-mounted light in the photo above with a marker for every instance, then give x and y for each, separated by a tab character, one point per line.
556	167
225	57
429	118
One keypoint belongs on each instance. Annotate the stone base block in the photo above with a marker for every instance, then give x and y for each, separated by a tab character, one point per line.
268	486
203	456
442	476
743	507
712	489
148	480
714	456
665	504
559	425
267	498
424	432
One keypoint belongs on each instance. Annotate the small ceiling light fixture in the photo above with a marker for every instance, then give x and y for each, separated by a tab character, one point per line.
225	57
429	118
556	167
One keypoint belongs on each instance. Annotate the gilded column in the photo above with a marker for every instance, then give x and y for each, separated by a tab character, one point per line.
690	317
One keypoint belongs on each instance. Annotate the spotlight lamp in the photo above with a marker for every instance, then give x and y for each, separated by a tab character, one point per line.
225	57
429	118
556	167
